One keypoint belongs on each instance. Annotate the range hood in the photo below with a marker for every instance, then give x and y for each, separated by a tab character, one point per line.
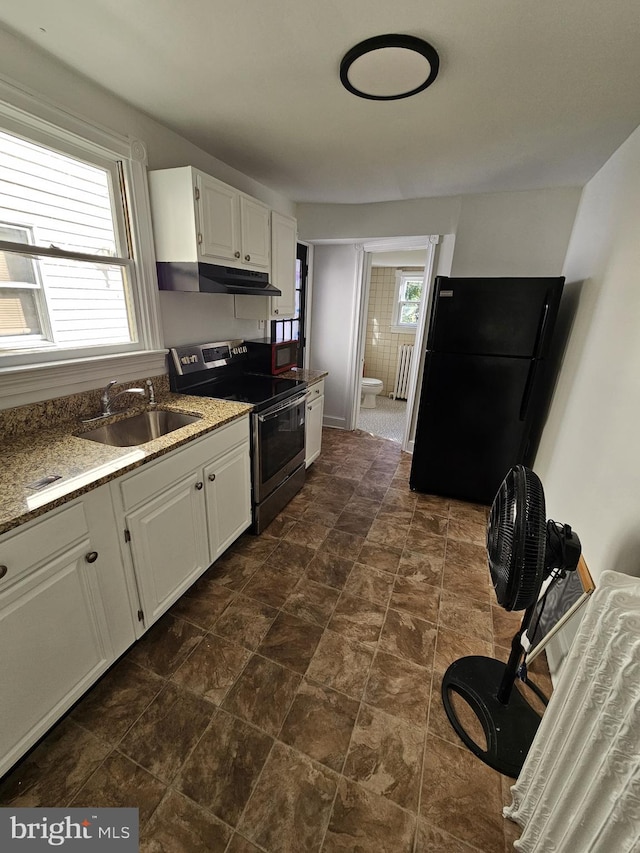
194	277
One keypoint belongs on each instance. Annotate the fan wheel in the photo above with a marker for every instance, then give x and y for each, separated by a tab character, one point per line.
516	536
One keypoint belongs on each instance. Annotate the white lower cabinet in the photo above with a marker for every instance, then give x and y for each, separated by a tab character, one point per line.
313	423
117	586
228	498
53	630
181	512
168	539
75	582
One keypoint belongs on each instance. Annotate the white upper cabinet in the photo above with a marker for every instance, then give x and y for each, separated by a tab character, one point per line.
218	220
255	233
284	236
198	218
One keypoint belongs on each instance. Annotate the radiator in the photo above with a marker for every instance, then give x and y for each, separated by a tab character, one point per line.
403	369
579	789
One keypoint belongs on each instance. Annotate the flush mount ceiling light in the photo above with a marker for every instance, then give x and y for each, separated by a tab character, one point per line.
389	67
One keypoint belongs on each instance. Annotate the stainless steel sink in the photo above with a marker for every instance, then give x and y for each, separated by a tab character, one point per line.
140	428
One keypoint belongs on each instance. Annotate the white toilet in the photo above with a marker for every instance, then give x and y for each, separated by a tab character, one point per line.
370	389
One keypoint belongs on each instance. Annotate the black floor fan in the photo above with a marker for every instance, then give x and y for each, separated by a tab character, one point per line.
523	549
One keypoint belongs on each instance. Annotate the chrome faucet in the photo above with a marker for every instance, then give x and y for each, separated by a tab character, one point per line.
107	401
151	392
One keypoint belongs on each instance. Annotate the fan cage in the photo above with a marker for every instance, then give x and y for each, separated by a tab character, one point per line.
516	536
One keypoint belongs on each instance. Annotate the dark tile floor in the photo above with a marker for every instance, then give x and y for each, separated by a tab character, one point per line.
290	700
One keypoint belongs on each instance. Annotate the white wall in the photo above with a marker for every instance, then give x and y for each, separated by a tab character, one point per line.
333	308
589	457
196	318
209	316
517	233
511	234
409	218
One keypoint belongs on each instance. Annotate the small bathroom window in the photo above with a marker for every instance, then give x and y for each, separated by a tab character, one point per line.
409	286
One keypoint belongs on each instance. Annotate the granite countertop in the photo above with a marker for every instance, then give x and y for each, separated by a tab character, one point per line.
83	464
308	376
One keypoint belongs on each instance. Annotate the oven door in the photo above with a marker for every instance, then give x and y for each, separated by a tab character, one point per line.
278	444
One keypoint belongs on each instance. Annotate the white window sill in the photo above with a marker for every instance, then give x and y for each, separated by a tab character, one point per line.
403	330
36	382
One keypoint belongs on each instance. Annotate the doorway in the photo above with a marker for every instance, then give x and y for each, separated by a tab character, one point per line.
302	282
395	276
294	327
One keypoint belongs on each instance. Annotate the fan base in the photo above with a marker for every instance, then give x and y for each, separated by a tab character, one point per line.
509	729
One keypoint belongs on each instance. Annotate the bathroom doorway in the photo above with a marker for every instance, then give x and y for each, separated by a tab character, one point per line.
395	274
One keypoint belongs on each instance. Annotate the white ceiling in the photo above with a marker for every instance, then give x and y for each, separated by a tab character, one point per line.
529	95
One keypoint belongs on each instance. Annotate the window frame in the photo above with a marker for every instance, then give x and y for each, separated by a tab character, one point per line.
26	376
125	259
397	326
41	307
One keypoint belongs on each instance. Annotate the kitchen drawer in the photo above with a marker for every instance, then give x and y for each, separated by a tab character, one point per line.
41	541
140	486
316	390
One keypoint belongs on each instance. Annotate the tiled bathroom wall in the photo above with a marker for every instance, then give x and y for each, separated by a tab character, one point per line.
381	344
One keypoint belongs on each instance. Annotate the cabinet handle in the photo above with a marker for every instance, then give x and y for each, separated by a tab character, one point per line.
247	257
236	254
3	571
212	477
91	557
199	486
276	310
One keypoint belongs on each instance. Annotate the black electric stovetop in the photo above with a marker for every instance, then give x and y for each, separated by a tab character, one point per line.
260	391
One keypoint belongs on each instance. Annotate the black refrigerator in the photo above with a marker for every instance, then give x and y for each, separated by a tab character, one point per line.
486	383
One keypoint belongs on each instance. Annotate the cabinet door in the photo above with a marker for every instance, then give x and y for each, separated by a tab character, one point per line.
283	264
313	430
283	275
255	229
169	545
217	205
228	484
54	646
115	580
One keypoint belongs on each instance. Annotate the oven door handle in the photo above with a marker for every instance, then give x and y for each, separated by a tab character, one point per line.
288	404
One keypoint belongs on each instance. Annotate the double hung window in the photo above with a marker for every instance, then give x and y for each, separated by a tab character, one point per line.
67	272
407	305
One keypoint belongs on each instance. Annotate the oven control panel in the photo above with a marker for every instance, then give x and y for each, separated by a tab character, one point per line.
192	358
215	354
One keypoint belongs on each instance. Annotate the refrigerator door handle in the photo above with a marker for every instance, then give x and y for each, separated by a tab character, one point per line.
528	388
541	330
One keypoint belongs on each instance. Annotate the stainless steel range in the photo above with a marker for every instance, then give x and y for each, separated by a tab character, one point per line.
220	370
